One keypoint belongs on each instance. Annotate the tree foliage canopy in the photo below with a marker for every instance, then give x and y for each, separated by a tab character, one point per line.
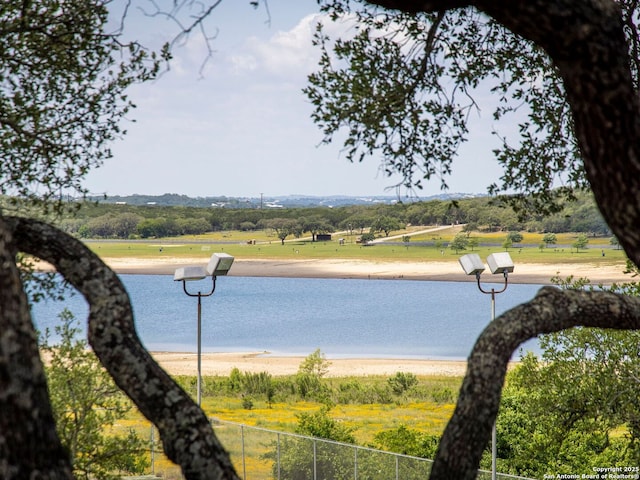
402	85
63	78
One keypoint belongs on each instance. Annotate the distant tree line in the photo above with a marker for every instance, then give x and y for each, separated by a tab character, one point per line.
97	220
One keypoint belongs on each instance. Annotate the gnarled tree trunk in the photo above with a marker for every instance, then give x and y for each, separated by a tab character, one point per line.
187	436
29	445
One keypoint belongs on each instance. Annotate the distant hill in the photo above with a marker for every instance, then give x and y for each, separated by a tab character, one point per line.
288	201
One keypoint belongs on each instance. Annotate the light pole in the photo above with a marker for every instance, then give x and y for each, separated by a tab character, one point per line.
219	264
498	263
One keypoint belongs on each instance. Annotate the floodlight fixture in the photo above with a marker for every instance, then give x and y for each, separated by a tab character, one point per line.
219	264
499	262
472	264
189	274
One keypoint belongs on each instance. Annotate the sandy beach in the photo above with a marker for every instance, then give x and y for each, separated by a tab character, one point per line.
255	362
528	273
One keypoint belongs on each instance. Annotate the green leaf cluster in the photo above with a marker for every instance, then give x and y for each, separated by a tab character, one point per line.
87	406
407	441
576	408
402	381
320	425
459	242
63	78
315	364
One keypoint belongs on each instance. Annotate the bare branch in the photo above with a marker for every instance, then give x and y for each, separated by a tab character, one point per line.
185	29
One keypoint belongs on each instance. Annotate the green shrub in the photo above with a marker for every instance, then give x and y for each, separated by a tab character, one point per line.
402	382
315	364
247	403
354	392
256	383
87	405
443	395
407	442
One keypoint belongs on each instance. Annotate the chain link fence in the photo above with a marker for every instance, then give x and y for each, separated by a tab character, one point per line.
262	454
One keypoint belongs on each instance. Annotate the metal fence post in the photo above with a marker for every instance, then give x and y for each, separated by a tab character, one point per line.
355	463
153	441
315	463
278	453
244	464
397	468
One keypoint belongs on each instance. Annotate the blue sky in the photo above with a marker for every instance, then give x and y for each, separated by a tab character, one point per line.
243	127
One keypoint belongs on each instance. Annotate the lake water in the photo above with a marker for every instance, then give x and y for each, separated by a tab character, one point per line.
294	316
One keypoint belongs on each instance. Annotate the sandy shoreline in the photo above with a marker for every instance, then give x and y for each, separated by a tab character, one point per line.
527	273
177	363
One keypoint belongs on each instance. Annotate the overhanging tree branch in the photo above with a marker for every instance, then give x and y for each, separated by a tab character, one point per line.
586	42
550	311
187	436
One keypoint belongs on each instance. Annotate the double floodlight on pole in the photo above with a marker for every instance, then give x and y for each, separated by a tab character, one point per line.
219	264
498	263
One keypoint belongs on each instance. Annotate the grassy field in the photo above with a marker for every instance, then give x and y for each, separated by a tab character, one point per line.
415	410
269	247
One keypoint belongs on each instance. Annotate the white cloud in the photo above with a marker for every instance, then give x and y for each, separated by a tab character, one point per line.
283	54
